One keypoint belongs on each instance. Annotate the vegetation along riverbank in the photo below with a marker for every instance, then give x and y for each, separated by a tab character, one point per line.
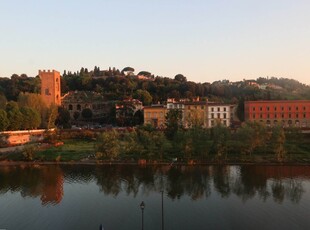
251	143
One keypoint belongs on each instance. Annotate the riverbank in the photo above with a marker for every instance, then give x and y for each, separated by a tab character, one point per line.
84	152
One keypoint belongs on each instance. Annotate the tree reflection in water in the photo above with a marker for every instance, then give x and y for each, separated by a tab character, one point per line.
197	182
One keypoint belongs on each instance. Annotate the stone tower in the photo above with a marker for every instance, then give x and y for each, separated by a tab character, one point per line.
50	87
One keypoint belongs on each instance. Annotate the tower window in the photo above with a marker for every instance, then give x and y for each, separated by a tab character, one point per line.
47	91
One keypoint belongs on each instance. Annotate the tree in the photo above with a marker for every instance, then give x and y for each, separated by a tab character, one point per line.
277	142
144	96
3	101
63	118
87	113
107	144
252	135
51	116
220	136
4	121
14	115
31	118
76	115
180	78
173	122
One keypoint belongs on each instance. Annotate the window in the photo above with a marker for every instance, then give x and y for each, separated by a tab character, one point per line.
212	115
268	116
275	116
78	107
282	115
304	115
225	122
289	108
212	109
282	108
296	115
218	115
224	109
267	108
225	115
218	109
253	116
70	107
260	108
253	108
47	92
275	108
304	108
296	108
261	116
212	123
290	116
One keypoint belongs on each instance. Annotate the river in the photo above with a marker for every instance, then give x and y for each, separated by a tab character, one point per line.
194	197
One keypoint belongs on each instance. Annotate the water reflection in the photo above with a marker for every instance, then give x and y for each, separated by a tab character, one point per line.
45	182
279	183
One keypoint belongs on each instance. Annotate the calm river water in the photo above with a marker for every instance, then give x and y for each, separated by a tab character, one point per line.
199	197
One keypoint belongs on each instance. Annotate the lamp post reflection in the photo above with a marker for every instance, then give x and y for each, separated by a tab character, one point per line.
162	210
142	206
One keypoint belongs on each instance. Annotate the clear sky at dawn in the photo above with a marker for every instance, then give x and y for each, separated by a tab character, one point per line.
202	39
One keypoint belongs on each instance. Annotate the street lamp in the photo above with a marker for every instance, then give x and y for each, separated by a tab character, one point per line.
142	206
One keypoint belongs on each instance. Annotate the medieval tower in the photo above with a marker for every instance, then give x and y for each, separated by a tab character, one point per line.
50	87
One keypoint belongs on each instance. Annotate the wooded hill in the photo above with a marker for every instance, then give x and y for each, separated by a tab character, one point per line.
117	85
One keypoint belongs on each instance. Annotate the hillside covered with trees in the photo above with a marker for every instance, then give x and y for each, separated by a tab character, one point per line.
115	84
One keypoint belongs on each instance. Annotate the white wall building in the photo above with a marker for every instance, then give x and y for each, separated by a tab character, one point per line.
219	113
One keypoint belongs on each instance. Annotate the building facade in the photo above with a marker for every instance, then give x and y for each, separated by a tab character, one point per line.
50	87
155	115
219	113
195	114
75	102
290	113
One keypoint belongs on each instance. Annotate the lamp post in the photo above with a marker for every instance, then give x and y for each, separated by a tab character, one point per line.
142	206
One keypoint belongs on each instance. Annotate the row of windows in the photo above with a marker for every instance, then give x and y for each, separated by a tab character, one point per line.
289	108
195	107
279	115
218	109
218	115
154	114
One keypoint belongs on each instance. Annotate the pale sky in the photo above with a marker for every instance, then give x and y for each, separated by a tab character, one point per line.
205	40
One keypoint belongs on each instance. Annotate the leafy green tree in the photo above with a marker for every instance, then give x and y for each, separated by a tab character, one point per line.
14	115
63	118
107	144
220	135
173	123
252	135
4	121
31	118
52	114
3	101
278	141
180	77
144	96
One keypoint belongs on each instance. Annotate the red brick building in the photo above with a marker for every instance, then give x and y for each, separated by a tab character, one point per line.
292	113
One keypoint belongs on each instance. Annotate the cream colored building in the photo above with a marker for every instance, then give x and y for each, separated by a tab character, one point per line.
155	115
218	112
